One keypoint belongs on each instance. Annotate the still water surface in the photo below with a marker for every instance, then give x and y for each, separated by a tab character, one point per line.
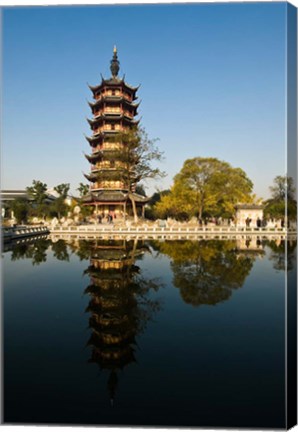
176	333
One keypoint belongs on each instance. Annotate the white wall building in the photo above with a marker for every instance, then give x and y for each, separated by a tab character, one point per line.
249	212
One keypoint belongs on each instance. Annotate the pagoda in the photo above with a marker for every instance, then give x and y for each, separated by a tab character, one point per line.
114	109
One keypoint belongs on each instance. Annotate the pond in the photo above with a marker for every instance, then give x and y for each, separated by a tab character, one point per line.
154	333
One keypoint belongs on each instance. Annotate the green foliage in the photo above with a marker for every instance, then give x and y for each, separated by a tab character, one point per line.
86	210
37	192
140	190
36	251
206	187
58	207
156	197
20	208
206	272
150	211
83	189
136	156
62	190
60	251
282	199
40	210
283	187
38	195
283	254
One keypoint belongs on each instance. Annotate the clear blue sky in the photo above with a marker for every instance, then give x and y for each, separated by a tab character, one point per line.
212	84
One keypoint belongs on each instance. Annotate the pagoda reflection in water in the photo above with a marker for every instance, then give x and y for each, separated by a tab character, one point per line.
119	304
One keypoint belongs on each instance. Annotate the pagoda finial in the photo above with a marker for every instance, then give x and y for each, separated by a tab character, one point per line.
115	64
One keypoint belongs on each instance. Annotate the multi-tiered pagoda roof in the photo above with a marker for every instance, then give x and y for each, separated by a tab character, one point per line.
114	110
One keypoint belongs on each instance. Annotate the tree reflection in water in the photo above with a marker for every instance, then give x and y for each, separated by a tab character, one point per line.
119	305
206	272
282	254
60	250
36	250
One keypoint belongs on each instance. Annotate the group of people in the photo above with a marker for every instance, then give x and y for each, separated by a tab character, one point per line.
101	217
259	223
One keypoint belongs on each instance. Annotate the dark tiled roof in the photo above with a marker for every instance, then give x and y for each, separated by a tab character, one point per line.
113	82
249	206
113	196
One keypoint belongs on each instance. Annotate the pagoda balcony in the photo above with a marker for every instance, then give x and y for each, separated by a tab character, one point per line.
112	113
108	130
103	186
111	96
113	99
100	130
112	146
106	166
112	110
109	111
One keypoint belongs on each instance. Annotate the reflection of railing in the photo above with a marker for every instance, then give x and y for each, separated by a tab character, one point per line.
23	231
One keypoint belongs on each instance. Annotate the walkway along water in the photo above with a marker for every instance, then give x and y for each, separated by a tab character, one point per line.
149	232
146	232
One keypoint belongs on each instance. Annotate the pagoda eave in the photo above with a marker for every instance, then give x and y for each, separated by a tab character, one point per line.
92	178
94	157
113	82
111	117
113	99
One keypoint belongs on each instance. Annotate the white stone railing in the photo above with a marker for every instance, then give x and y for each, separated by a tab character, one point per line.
23	231
114	229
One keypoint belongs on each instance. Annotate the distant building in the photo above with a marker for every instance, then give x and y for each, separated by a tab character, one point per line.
9	195
249	214
12	194
113	110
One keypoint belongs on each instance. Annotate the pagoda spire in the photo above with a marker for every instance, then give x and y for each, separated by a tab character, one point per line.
115	64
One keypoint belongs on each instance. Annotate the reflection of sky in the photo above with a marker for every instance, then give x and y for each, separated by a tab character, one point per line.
221	362
212	80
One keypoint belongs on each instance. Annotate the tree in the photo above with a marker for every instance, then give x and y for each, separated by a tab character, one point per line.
206	272
207	187
38	194
282	195
20	208
62	190
37	191
36	251
86	210
156	197
283	187
140	190
151	211
282	254
134	160
59	206
60	251
83	189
